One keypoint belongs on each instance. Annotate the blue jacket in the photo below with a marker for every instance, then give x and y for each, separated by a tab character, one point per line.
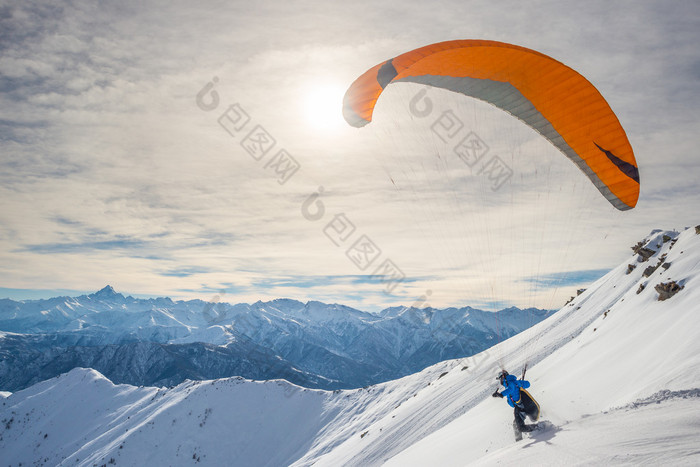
512	389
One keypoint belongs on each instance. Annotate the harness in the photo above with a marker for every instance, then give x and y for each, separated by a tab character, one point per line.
520	398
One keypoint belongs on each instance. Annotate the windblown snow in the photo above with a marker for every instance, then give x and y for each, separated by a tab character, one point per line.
616	372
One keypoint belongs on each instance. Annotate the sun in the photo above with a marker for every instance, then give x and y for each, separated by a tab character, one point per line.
323	106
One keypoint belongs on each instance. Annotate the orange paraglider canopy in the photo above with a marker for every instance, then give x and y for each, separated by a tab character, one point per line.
547	95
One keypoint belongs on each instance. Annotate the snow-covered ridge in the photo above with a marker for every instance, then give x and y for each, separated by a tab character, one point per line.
618	376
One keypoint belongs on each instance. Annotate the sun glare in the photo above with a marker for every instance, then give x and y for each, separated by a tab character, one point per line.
323	105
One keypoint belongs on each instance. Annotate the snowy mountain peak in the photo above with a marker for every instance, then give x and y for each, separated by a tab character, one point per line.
105	293
657	239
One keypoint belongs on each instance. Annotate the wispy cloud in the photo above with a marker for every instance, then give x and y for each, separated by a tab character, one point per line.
109	166
87	246
184	271
567	278
38	293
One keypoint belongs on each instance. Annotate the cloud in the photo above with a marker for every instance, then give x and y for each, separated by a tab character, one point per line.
567	278
108	165
38	294
85	246
184	271
316	280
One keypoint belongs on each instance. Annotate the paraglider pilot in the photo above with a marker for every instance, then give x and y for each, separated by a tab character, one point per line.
522	402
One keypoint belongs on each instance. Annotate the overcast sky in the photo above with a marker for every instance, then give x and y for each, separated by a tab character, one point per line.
124	157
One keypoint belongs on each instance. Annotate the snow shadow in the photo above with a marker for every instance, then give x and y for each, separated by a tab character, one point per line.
543	435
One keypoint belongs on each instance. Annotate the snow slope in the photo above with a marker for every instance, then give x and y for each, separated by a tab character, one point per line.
662	432
643	346
617	374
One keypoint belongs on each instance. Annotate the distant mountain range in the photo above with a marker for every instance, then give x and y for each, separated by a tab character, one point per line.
162	342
